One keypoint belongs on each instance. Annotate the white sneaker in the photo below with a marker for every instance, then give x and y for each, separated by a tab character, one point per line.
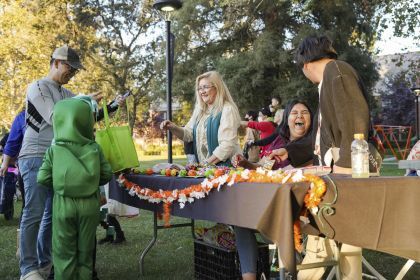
33	275
45	271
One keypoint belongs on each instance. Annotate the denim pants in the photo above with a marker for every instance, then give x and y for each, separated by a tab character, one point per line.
35	227
246	244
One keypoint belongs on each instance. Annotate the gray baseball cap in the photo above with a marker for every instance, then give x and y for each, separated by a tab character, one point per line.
69	55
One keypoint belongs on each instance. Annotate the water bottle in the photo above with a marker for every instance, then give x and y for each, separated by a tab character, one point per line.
359	157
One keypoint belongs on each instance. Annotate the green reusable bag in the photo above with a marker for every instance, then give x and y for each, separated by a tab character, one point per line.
117	145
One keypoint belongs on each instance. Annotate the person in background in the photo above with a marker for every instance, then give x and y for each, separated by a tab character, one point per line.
414	155
114	209
263	125
3	141
276	110
13	143
213	127
251	135
7	184
343	111
74	167
291	142
10	153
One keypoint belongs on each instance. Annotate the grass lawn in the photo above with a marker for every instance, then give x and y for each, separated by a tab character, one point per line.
172	255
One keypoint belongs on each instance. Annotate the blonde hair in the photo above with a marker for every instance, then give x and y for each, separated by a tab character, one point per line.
223	95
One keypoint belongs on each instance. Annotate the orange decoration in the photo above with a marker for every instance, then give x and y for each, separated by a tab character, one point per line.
167	214
297	236
189	194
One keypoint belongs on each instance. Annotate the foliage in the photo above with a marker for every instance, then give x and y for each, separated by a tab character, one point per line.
398	107
149	126
122	50
186	110
252	43
29	35
110	35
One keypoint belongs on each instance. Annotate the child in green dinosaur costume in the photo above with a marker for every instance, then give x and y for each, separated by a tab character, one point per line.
74	166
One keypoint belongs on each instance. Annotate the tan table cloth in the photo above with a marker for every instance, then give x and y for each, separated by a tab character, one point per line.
375	213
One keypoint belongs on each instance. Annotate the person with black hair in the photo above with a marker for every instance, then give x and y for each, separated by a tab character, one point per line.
293	131
343	111
291	142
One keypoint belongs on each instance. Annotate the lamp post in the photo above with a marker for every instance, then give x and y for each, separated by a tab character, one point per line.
416	91
168	6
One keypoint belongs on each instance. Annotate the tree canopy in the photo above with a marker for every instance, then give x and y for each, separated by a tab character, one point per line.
251	42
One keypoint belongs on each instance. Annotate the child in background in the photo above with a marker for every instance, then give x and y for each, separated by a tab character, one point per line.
263	125
110	211
74	166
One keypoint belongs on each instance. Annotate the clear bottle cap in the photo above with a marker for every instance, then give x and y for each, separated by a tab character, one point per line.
359	136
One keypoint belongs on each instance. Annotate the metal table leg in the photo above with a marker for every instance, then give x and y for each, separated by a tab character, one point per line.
152	242
372	269
404	270
150	245
282	269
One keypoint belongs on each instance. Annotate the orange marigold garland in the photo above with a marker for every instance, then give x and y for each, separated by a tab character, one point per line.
189	194
297	236
167	214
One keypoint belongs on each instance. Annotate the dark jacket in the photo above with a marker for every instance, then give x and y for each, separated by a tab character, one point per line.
344	110
300	151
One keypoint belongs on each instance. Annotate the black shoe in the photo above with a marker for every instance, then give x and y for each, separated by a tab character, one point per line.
95	275
108	238
120	238
51	276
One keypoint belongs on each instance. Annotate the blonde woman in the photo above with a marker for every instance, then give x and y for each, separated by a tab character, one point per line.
213	127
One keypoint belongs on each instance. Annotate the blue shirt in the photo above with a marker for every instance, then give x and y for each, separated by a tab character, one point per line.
14	142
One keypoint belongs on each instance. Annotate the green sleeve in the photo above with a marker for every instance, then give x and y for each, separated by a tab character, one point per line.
106	170
45	177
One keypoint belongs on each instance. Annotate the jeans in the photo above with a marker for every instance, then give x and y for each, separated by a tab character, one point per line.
246	244
35	227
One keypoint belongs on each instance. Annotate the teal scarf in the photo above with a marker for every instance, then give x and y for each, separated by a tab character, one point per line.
213	124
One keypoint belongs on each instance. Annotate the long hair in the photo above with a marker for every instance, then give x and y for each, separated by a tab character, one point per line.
283	128
223	96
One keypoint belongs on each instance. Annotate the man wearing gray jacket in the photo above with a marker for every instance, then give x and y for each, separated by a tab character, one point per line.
35	241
